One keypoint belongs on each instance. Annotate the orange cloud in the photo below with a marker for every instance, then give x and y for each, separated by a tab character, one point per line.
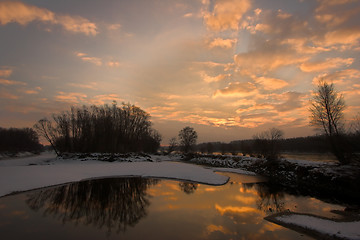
94	60
325	65
339	76
11	82
5	72
222	43
226	14
23	14
73	98
91	85
217	78
237	89
105	98
341	39
270	84
113	64
262	61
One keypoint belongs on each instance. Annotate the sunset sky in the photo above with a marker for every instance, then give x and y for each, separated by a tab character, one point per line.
228	68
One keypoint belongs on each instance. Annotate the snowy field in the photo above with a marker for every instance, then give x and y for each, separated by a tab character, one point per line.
27	173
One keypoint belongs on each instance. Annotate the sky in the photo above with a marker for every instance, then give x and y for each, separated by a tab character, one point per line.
227	68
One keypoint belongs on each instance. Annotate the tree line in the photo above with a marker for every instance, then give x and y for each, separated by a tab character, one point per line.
111	129
14	140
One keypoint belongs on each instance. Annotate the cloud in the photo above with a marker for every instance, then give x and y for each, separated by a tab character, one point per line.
94	60
113	64
270	84
91	85
237	89
268	59
341	39
338	76
23	14
226	14
6	95
326	64
105	98
114	27
72	97
218	78
5	72
11	82
222	43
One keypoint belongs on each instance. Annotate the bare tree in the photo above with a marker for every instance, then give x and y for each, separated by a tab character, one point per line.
327	107
267	143
188	137
45	129
172	145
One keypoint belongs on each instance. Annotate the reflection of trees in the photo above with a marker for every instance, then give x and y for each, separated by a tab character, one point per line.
270	198
188	187
110	203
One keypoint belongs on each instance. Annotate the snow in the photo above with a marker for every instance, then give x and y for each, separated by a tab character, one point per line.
307	163
22	175
234	170
346	230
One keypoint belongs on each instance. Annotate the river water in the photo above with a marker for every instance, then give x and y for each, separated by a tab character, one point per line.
139	208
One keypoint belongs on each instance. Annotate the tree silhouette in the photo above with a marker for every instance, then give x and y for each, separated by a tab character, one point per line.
113	204
124	128
327	114
188	137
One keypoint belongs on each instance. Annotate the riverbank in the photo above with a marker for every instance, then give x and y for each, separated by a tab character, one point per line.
326	180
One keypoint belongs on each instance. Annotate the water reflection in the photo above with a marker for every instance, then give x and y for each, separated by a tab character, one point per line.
113	204
271	199
233	211
188	187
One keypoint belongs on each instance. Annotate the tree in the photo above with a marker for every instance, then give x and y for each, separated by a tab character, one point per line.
124	128
172	145
327	107
187	137
267	143
14	140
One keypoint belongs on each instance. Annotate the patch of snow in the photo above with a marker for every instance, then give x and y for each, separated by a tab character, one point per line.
307	163
20	177
43	158
234	170
347	230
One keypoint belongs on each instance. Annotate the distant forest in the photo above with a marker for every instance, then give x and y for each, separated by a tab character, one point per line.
14	140
310	144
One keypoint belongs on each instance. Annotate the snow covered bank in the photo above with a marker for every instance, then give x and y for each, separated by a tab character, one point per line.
23	174
319	227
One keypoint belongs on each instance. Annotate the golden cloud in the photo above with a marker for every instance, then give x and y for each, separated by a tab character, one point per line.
270	84
222	43
262	61
23	14
217	78
339	76
226	14
237	89
325	65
